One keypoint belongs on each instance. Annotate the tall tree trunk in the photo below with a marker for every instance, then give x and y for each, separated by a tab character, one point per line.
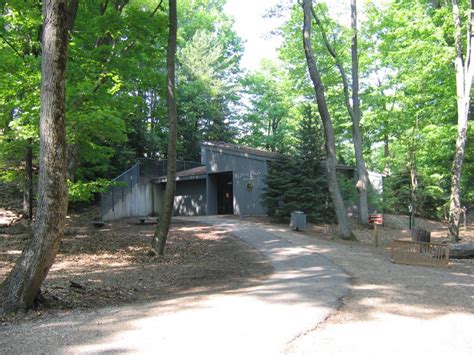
464	75
340	209
161	233
353	110
362	175
28	186
24	281
413	173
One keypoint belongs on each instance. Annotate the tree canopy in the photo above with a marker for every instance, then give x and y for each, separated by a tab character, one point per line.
116	103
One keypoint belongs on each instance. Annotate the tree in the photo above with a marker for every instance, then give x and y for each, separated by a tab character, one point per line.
464	76
354	108
265	120
206	92
340	209
161	233
313	194
362	175
23	283
297	182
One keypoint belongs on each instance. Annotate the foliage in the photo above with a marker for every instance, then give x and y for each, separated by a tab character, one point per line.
116	108
268	117
298	182
86	191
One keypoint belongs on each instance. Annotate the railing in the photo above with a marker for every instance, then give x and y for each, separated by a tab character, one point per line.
122	185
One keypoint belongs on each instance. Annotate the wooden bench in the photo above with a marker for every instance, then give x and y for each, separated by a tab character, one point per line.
419	253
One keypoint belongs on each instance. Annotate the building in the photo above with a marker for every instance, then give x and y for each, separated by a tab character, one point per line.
230	179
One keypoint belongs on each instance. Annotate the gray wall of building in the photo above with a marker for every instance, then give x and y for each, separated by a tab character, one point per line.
130	202
190	198
248	171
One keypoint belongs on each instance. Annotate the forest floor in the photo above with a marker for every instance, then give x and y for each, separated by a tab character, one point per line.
111	265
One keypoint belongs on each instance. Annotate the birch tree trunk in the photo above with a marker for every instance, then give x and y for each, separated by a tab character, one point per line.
362	175
464	74
24	281
330	144
161	233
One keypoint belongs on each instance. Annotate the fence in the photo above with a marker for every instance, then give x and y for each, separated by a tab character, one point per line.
419	253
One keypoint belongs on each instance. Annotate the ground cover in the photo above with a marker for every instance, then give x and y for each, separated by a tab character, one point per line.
98	267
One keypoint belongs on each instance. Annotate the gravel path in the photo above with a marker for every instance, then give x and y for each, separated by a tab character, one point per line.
392	309
270	318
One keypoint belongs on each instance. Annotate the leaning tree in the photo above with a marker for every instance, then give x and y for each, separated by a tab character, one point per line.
330	143
22	285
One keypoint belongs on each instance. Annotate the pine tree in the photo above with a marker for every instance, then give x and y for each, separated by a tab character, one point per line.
312	189
298	182
277	196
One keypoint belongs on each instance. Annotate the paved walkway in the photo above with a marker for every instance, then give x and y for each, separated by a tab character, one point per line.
265	319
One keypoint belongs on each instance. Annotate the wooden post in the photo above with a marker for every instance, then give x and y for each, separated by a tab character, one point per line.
464	214
376	235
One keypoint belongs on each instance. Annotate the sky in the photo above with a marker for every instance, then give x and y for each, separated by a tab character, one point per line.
254	29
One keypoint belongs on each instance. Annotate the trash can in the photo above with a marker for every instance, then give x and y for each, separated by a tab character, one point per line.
298	220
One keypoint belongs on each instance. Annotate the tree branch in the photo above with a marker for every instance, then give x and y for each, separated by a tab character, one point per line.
12	47
156	8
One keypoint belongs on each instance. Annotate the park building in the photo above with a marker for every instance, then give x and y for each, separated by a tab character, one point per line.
229	180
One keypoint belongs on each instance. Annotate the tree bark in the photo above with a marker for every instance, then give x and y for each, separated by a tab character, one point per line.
414	172
462	251
161	233
330	144
28	185
362	175
24	281
464	74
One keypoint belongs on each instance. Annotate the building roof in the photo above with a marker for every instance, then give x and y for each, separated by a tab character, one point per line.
240	148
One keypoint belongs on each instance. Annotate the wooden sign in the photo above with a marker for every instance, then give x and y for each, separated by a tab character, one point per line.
375	219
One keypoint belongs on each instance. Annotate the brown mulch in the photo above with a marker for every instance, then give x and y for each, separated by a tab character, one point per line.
111	265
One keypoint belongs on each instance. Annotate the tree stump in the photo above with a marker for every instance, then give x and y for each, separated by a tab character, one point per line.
420	235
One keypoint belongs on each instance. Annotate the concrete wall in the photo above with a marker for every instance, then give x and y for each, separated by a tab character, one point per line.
190	198
248	171
130	202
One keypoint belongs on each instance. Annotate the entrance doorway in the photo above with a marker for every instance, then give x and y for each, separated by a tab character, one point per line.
225	193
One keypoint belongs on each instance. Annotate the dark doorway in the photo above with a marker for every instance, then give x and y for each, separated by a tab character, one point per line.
225	193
